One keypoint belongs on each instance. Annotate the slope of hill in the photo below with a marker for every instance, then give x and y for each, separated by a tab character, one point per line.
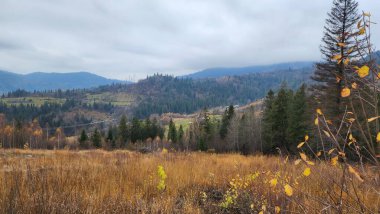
50	81
220	72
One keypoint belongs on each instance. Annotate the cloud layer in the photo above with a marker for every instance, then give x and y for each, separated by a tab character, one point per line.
132	39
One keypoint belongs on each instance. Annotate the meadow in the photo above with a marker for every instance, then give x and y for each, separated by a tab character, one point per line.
97	181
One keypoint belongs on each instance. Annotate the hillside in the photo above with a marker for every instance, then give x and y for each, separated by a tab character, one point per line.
220	72
50	81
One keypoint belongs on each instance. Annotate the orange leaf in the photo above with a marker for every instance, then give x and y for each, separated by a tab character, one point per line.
345	92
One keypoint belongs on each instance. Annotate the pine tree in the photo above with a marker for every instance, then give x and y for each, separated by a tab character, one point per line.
172	133
181	134
136	132
110	138
298	118
123	130
83	139
228	114
280	120
97	139
267	121
338	45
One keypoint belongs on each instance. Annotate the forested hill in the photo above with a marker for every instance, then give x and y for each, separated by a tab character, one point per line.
161	94
234	71
40	81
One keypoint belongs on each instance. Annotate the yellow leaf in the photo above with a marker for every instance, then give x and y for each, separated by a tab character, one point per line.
288	190
303	156
363	71
326	133
336	57
311	163
334	160
378	137
354	85
306	137
341	44
359	24
319	153
372	119
319	111
345	92
346	61
367	14
307	172
361	31
350	50
331	151
273	182
296	162
338	79
316	121
329	122
300	145
342	154
277	209
355	173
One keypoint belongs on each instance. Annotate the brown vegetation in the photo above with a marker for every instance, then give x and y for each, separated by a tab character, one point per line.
125	182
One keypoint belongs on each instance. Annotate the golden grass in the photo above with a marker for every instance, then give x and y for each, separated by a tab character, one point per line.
126	182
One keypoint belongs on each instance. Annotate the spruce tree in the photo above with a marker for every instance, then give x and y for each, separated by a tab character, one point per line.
228	114
298	119
83	139
280	120
96	139
172	133
332	75
136	132
123	130
181	134
267	121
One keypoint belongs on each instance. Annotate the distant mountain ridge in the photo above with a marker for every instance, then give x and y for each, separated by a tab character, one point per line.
40	81
237	71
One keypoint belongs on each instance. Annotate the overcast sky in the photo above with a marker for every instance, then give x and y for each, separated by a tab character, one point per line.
131	39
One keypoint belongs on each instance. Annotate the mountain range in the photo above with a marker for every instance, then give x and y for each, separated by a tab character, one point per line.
237	71
40	81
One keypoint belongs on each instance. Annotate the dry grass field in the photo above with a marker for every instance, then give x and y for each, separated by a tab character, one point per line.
127	182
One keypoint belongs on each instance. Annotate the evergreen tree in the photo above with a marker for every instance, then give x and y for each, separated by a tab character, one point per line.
228	114
181	134
97	139
280	120
172	133
136	133
267	121
298	119
110	138
83	139
123	130
338	42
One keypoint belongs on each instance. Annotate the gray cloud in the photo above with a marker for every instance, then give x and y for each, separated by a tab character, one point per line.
135	38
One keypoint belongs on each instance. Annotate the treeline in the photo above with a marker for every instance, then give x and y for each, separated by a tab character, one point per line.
51	113
33	136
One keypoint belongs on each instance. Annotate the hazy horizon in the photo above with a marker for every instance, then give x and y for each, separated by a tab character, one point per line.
129	40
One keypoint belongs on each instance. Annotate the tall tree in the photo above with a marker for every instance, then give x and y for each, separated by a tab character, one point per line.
96	139
267	121
332	74
172	133
136	133
123	131
83	139
280	119
228	114
298	118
